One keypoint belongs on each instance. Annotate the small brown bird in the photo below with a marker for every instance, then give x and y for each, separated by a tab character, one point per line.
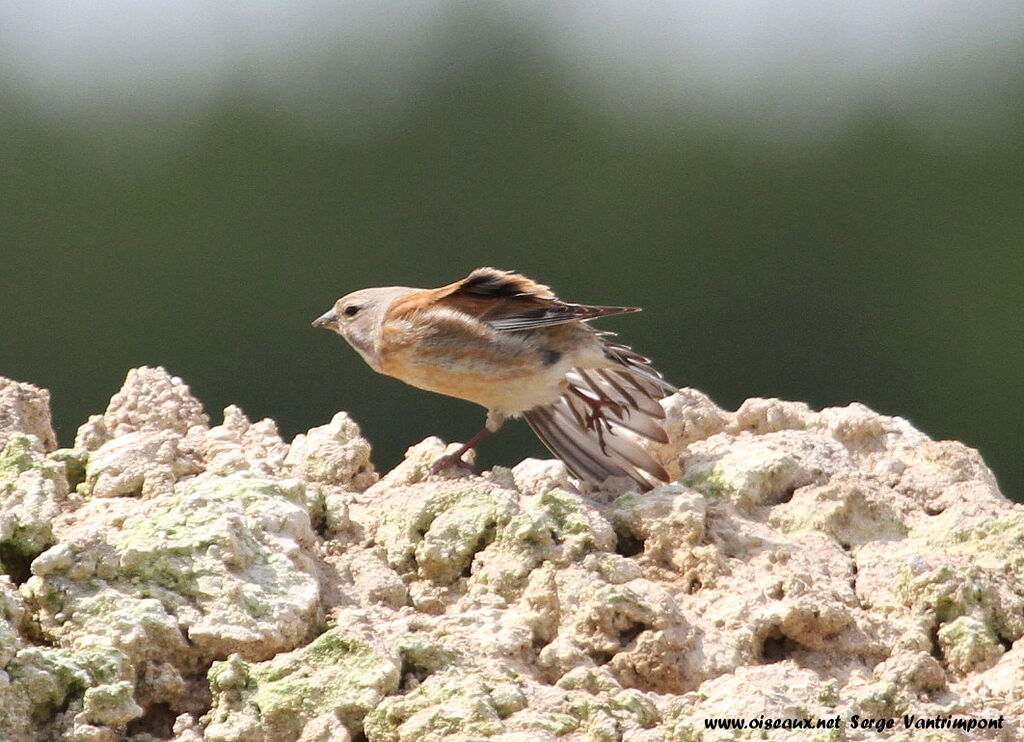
507	343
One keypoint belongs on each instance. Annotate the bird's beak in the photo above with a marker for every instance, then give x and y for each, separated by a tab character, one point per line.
325	320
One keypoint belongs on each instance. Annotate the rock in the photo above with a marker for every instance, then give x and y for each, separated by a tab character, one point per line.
537	476
33	491
110	705
220	584
240	445
665	527
48	693
416	466
333	454
25	409
436	533
219	566
760	470
143	463
690	416
325	688
149	400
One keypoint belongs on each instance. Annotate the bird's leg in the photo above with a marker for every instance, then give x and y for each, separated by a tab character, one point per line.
494	421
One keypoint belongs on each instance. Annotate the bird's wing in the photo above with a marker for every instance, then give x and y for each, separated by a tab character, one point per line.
584	428
510	318
504	300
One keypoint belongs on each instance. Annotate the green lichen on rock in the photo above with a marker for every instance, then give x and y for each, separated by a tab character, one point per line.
760	470
487	534
110	704
453	705
32	491
74	460
607	716
437	535
962	579
968	643
749	477
574	522
448	705
58	693
852	512
710	481
995	541
343	676
555	526
16	456
11	618
222	560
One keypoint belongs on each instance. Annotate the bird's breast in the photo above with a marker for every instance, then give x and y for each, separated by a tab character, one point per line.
504	372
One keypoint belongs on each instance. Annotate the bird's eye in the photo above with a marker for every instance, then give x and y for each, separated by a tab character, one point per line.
351	310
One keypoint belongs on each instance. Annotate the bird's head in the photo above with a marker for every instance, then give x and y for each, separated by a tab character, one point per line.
359	316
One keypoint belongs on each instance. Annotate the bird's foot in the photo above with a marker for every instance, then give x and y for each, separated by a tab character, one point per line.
596	416
452	461
596	420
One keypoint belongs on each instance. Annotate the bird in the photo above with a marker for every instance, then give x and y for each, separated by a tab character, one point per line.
507	343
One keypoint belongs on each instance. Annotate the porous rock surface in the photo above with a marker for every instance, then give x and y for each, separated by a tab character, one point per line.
165	579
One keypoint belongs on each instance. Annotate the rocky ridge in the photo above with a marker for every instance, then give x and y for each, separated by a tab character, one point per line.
165	579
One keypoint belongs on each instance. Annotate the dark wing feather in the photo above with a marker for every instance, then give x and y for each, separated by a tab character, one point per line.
509	301
511	318
492	283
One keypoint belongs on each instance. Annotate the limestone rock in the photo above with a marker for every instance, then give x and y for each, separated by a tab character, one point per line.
219	566
416	466
220	584
149	400
25	409
539	475
48	693
240	445
143	463
33	491
323	690
334	454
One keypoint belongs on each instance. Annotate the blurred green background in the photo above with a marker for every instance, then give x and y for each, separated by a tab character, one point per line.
819	202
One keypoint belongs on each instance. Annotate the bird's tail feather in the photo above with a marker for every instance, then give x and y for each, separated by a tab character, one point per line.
585	426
